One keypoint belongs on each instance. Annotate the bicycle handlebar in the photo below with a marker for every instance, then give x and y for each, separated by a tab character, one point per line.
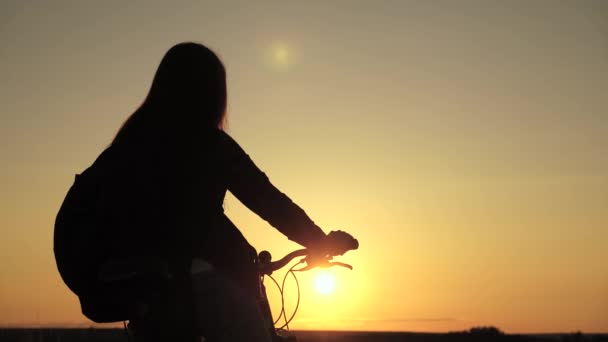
337	243
266	266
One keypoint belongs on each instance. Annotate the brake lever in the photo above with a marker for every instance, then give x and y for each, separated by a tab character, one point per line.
341	264
324	264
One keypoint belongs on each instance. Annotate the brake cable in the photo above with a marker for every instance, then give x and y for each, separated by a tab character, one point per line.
281	288
283	313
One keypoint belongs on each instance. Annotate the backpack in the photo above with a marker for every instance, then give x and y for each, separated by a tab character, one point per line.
77	236
107	287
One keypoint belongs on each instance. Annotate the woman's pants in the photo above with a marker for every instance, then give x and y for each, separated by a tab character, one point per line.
224	312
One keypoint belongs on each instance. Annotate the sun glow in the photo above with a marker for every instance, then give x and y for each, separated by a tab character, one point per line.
280	56
325	283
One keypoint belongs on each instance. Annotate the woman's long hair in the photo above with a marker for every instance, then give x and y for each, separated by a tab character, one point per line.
188	94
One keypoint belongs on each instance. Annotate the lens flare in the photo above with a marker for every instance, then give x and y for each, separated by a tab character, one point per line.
281	55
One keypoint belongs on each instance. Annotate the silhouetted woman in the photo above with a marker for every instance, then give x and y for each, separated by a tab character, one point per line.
167	172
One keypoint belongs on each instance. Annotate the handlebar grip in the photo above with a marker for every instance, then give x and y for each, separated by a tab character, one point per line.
265	257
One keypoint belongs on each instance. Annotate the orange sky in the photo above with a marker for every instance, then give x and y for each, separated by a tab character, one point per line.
464	143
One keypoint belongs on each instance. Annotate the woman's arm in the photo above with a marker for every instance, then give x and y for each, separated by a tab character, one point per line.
253	188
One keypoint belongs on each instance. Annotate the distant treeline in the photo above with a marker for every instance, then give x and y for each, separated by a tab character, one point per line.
478	334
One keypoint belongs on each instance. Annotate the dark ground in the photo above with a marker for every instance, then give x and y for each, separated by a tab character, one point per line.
118	335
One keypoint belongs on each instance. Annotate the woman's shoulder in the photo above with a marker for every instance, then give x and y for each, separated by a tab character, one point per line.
225	140
229	150
223	136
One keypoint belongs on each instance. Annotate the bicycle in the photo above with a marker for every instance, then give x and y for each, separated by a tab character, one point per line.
264	267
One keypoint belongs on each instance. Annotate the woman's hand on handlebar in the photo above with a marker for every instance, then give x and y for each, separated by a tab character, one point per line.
338	242
335	243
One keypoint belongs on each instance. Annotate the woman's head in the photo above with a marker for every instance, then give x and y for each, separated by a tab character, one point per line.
188	91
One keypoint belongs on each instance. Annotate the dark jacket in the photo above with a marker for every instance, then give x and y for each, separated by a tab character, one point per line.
163	197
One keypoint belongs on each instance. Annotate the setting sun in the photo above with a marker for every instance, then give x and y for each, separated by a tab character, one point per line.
325	283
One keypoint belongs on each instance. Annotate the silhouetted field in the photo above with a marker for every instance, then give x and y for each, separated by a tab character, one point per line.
118	335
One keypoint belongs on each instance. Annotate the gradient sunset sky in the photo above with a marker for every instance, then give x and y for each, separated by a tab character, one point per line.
464	143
